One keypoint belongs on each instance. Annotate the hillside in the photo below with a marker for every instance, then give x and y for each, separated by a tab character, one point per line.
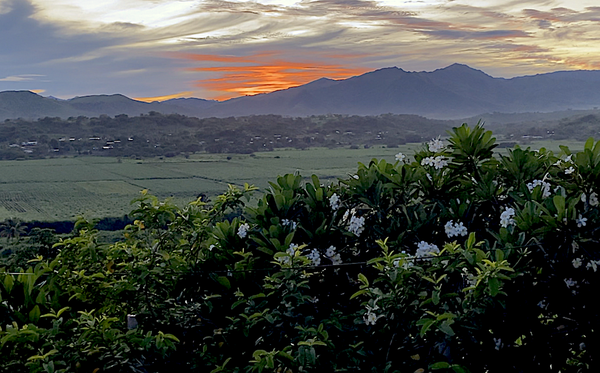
456	91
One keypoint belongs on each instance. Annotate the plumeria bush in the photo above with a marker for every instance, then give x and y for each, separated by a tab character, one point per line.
453	259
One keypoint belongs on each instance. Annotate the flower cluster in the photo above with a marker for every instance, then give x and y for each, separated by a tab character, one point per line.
425	249
506	218
291	251
334	202
315	257
357	225
435	145
333	256
289	223
455	229
400	157
436	162
243	230
593	199
542	184
593	264
567	160
371	317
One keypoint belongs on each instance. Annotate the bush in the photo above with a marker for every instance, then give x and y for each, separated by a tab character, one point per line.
457	260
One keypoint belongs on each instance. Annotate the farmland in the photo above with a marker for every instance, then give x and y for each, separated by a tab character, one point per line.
95	187
63	188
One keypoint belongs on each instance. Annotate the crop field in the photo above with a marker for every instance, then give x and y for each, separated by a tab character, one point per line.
63	188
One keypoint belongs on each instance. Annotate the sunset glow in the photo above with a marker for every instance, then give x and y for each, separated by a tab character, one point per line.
165	97
266	72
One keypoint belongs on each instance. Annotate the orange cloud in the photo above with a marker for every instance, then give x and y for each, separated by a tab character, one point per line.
37	90
267	72
164	98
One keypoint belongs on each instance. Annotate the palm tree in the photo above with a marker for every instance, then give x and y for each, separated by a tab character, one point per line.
12	229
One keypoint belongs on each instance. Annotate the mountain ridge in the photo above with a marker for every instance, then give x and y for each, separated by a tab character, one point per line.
455	91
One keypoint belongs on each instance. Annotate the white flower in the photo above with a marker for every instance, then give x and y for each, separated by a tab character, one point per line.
356	225
315	257
469	277
427	161
400	157
292	249
570	282
334	202
593	264
435	162
336	259
435	145
569	159
425	249
243	230
333	256
594	199
440	162
581	221
543	185
291	252
211	247
577	262
370	318
569	170
455	229
506	218
355	176
498	343
289	223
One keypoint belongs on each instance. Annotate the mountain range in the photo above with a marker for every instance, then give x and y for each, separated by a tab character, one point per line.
456	91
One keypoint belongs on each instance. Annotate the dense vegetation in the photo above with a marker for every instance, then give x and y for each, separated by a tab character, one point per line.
454	260
169	135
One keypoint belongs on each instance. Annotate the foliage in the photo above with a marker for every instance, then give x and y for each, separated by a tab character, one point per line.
454	260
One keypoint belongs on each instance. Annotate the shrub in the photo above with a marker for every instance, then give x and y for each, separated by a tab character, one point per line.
456	259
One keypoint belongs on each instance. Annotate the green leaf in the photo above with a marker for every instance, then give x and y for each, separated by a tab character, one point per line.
435	297
362	278
34	314
224	281
445	327
439	365
494	286
358	293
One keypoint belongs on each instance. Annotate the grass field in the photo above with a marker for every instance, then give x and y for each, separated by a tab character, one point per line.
62	188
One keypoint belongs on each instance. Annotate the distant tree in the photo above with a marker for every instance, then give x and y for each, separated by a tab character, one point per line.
12	229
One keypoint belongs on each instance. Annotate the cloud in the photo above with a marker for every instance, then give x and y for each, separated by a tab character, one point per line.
269	71
223	48
20	78
478	35
164	97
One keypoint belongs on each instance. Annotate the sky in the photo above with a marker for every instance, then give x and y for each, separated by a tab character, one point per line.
220	49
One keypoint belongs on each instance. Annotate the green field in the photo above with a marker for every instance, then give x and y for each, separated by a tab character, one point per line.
62	188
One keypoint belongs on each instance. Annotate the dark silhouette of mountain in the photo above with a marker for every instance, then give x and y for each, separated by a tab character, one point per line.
456	91
191	103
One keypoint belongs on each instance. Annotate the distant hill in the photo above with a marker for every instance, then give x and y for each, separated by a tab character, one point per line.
28	105
456	91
